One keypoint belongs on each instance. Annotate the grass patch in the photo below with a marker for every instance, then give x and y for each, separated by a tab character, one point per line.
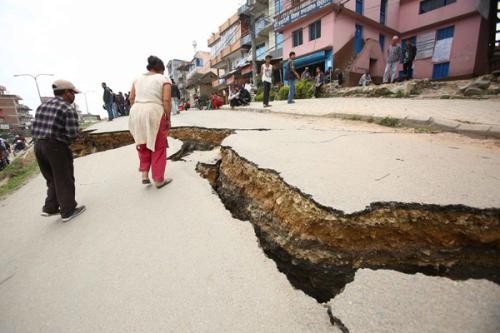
86	125
424	130
355	117
389	122
399	94
17	173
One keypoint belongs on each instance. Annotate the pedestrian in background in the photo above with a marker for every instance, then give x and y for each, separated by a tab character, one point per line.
107	98
234	96
365	79
266	72
291	75
54	128
409	54
114	105
6	147
127	103
149	121
305	74
338	77
318	82
176	95
393	58
121	104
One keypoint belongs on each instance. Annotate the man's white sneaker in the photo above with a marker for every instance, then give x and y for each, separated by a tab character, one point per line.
45	214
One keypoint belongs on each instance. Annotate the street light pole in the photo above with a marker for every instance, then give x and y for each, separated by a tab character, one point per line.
35	77
86	102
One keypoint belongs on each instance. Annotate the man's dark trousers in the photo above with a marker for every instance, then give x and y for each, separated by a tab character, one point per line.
267	89
408	70
55	160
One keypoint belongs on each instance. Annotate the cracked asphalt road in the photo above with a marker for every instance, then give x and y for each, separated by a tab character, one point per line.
141	260
175	260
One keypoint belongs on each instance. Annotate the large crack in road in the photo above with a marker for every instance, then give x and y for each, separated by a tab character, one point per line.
319	248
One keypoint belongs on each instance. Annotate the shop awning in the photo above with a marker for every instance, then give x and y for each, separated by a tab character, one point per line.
310	59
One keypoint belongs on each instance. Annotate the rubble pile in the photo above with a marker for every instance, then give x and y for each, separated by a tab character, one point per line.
486	86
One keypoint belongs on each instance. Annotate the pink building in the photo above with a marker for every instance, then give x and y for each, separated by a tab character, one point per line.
450	35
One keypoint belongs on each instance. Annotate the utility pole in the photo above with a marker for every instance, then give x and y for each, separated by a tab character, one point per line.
35	77
86	101
254	51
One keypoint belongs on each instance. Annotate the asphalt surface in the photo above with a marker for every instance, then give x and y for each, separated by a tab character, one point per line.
141	260
174	260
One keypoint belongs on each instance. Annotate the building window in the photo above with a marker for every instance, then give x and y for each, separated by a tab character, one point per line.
297	37
445	33
199	62
315	30
359	7
428	5
381	40
277	6
440	71
279	40
383	10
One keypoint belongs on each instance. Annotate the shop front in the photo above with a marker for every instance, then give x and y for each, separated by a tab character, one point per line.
322	59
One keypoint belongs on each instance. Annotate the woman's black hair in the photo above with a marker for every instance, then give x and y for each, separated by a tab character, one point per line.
155	64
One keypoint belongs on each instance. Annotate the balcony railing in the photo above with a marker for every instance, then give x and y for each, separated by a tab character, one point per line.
296	13
246	40
262	25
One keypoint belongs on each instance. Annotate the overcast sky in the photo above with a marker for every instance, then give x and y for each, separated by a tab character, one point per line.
90	41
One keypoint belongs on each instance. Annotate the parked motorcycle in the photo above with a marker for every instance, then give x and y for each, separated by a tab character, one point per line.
4	159
19	146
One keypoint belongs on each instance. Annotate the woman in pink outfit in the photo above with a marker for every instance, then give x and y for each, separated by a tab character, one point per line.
149	121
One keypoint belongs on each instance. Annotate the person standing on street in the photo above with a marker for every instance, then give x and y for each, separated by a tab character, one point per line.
266	72
409	54
54	128
393	57
176	95
108	99
319	78
121	104
149	121
291	75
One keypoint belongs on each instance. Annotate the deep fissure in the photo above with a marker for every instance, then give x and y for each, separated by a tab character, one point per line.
319	248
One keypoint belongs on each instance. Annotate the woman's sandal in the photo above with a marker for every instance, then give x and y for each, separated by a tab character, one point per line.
165	182
146	181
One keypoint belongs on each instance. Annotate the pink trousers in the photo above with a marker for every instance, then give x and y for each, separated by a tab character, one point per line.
155	160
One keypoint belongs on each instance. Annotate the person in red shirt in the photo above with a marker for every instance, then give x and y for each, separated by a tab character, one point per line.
216	101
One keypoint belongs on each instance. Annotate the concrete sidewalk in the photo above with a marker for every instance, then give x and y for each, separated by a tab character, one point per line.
470	117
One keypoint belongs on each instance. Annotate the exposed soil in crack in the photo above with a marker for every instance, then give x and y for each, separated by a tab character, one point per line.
89	143
194	138
320	248
197	139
